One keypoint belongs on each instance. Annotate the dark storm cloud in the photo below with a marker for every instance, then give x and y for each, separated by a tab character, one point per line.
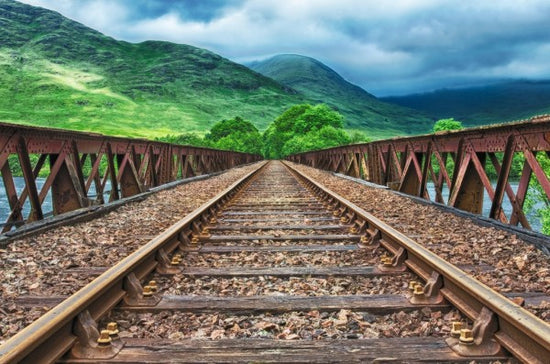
386	47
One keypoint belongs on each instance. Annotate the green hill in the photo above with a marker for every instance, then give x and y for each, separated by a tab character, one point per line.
57	72
483	105
361	110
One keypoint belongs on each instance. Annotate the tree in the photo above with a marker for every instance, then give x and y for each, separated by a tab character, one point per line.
227	127
326	137
447	124
190	138
357	136
301	124
235	134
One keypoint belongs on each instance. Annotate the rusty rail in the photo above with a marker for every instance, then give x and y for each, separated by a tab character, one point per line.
49	337
80	168
408	164
497	320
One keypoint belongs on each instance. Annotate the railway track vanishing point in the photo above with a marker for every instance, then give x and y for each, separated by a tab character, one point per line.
300	274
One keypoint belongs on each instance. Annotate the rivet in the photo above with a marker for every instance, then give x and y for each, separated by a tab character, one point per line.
456	326
104	338
412	284
418	290
147	291
112	327
466	337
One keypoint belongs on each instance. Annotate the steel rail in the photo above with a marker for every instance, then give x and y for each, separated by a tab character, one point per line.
50	336
523	334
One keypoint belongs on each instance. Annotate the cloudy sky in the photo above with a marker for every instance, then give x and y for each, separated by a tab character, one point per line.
386	47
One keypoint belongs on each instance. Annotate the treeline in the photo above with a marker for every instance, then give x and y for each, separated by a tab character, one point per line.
300	128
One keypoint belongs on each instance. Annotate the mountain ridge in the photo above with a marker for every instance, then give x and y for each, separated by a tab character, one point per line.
504	101
319	82
62	73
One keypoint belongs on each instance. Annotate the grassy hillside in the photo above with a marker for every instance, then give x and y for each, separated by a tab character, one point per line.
360	109
57	72
483	105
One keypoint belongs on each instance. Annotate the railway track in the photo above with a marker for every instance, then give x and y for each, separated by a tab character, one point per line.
277	268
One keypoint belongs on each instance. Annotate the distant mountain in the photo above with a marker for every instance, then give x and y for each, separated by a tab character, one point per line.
57	72
362	110
506	101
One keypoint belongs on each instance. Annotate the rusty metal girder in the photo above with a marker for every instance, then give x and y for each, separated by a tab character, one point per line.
408	164
78	161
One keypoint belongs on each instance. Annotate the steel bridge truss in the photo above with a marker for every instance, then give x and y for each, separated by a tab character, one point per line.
84	169
459	163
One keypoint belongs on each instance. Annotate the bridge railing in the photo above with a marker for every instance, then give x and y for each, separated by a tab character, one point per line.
460	165
76	170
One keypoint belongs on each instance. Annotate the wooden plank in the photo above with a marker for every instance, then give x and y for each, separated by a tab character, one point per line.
331	237
274	212
250	305
284	248
326	303
394	350
284	271
284	219
276	205
275	227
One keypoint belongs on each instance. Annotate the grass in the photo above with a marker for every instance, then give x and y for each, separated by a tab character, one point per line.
361	110
60	73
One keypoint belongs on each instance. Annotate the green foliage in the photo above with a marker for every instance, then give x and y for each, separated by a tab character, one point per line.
326	137
361	110
357	136
304	127
192	139
225	128
536	201
235	134
447	124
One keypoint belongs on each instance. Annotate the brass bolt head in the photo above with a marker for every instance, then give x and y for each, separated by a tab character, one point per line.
387	262
364	239
104	338
174	261
213	220
412	284
418	290
353	230
344	220
456	326
336	213
147	291
466	337
195	240
153	285
112	327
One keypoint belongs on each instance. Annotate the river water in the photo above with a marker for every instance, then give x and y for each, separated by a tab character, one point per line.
47	205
